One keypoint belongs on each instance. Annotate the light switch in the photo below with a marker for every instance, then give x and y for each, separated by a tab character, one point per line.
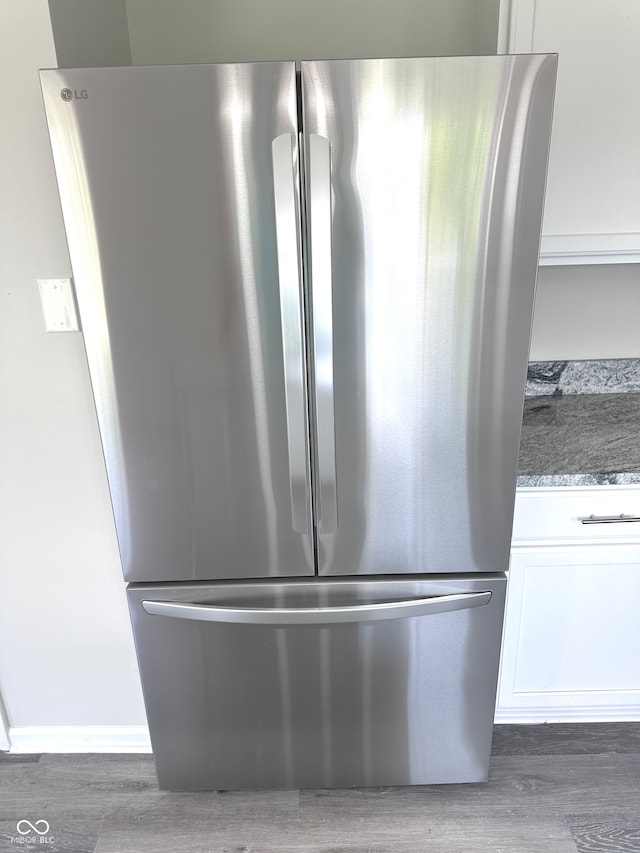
58	305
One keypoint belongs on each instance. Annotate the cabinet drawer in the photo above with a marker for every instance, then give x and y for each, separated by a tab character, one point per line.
565	513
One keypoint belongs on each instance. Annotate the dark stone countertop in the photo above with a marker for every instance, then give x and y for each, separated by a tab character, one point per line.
580	439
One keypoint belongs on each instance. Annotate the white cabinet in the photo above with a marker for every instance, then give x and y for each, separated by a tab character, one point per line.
571	647
592	210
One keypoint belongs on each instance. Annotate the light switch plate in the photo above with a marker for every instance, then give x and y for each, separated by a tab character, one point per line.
58	305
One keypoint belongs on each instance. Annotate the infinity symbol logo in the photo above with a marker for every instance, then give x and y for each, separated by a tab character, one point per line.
40	827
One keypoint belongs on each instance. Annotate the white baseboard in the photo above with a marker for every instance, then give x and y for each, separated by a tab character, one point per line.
135	739
79	739
4	728
568	714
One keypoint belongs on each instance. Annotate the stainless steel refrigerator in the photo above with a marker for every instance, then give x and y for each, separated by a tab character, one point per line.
306	294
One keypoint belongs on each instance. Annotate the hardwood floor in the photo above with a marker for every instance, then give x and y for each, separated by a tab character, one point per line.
554	788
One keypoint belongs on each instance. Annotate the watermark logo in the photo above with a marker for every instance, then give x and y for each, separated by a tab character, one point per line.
32	833
40	827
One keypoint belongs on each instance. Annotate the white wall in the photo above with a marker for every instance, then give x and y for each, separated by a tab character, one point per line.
90	33
166	31
587	312
66	650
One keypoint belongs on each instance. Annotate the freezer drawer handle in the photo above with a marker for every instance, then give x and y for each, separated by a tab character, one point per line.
287	240
322	301
318	615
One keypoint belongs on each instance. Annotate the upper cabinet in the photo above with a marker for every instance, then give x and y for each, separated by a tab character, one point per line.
592	211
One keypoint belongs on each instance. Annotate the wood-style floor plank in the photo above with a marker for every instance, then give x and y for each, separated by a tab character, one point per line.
561	739
19	758
613	832
552	789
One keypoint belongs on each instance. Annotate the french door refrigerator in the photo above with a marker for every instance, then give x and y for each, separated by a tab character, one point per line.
306	294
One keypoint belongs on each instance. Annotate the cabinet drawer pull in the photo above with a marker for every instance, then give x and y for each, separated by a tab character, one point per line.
609	519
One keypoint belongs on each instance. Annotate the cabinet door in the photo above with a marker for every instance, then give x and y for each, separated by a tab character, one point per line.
572	634
591	210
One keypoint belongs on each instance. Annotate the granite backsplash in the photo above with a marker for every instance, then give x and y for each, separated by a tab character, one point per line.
614	376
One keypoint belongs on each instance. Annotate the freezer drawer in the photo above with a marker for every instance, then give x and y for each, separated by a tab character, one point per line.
320	683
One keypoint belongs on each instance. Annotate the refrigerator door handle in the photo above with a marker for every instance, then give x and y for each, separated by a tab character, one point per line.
322	314
287	239
282	616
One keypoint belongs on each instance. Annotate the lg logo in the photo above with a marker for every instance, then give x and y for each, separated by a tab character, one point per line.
68	95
